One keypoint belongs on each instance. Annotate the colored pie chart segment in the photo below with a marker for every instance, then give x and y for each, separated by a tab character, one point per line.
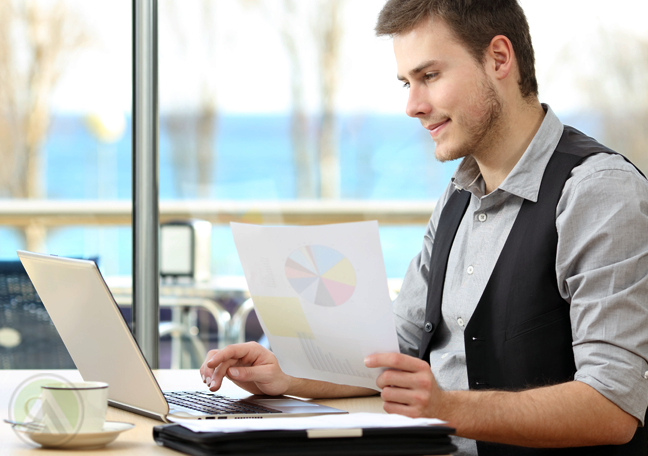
321	275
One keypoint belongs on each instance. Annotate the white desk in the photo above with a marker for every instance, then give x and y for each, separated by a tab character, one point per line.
140	439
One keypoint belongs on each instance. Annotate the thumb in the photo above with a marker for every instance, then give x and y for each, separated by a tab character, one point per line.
263	374
238	373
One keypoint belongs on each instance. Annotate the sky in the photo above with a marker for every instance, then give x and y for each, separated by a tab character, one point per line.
235	56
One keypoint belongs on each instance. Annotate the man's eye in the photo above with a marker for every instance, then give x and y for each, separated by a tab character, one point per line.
429	76
406	85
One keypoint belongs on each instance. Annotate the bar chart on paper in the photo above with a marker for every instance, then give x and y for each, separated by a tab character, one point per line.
321	275
341	360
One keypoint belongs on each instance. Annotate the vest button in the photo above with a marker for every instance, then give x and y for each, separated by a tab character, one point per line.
428	327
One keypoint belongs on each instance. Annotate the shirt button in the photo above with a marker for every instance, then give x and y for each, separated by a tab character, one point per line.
646	375
460	322
428	327
470	270
482	217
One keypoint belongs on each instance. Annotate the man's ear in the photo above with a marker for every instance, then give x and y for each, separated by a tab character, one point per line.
500	57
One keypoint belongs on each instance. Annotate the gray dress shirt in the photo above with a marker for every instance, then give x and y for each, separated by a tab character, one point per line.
601	269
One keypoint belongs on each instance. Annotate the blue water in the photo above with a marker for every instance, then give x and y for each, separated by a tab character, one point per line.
381	157
387	157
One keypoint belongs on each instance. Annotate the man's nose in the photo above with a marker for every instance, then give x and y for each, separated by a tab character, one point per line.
417	104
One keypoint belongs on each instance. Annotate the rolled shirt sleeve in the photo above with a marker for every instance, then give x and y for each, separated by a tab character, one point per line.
602	271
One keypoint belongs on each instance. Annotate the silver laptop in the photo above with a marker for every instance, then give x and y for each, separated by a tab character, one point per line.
103	349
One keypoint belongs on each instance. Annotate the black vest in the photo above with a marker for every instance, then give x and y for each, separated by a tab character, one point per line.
519	336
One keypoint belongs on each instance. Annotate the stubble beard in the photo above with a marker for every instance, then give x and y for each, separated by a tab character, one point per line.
482	133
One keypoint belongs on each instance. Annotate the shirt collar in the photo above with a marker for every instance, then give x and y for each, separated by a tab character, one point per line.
525	178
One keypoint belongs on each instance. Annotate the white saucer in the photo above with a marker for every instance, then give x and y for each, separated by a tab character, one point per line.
84	440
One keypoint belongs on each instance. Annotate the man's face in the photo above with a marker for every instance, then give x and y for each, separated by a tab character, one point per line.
449	92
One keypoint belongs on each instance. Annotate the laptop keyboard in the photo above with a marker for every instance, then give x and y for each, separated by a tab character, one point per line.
213	404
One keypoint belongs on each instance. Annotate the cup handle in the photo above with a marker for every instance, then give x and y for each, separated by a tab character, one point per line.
28	406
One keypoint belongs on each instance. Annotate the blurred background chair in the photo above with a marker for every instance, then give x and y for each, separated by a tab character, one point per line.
187	350
28	338
239	320
238	326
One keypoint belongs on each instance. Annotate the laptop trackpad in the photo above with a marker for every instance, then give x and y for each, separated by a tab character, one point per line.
276	403
287	405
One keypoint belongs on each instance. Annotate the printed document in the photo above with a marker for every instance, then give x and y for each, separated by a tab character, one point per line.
350	421
321	295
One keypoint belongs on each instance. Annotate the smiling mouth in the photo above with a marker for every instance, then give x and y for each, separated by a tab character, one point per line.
436	128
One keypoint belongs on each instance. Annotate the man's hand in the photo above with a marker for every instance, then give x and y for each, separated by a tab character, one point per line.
249	365
408	387
568	414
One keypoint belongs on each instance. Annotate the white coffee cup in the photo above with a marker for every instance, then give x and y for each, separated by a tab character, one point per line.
70	408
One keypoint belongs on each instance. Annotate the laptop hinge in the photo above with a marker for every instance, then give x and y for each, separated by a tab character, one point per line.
139	411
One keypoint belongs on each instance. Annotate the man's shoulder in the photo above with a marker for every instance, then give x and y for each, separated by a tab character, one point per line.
575	142
602	165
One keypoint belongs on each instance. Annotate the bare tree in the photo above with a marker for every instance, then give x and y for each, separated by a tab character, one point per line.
326	28
610	72
193	137
328	31
624	102
37	41
302	156
180	129
289	25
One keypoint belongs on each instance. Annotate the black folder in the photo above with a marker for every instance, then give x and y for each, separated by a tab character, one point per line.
419	440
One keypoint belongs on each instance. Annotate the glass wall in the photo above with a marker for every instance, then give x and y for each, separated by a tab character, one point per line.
66	128
65	152
286	100
263	103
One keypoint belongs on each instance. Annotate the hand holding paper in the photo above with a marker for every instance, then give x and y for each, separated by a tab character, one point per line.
321	295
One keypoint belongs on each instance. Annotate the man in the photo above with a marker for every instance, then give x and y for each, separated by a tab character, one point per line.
529	299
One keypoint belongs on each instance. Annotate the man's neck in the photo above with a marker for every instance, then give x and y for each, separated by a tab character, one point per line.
519	126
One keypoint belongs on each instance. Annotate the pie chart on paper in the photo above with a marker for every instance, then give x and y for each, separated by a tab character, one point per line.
321	275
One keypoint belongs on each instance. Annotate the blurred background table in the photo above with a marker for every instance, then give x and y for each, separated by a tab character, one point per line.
190	303
196	316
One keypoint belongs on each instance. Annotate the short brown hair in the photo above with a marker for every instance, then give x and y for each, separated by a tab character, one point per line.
474	23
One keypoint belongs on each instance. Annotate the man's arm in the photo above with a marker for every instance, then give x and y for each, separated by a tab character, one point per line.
255	369
565	415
